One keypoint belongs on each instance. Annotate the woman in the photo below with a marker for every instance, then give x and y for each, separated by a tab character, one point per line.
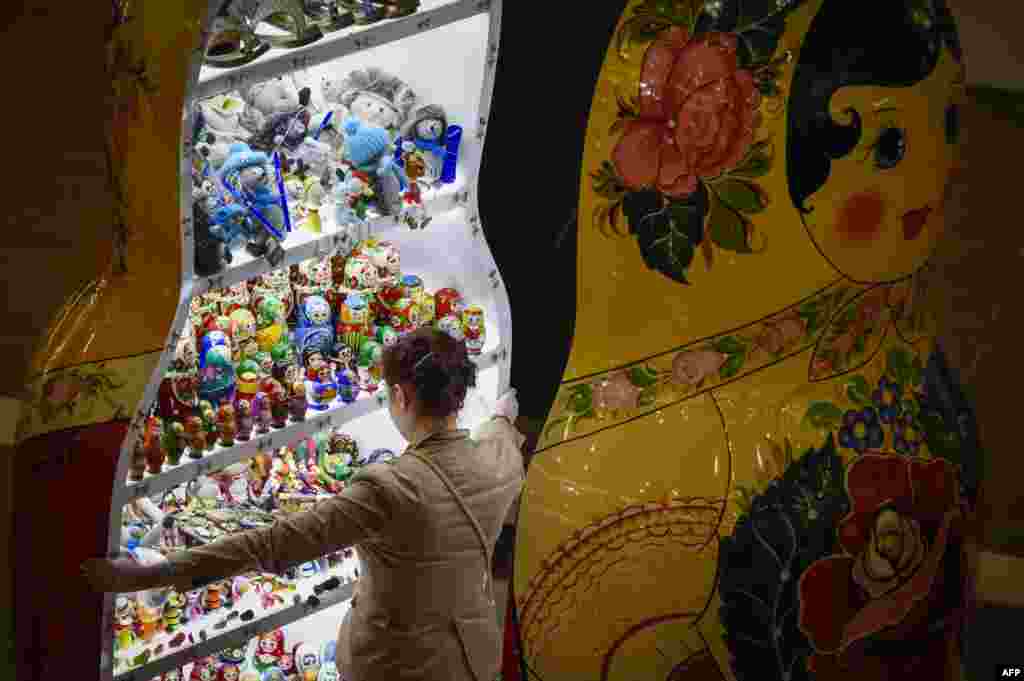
425	526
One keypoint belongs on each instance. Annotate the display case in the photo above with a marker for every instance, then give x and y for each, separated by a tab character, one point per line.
328	206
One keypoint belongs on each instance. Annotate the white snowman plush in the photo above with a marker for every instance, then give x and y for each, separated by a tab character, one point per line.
265	99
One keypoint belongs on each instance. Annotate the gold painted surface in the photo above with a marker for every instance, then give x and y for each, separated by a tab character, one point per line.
126	307
641	445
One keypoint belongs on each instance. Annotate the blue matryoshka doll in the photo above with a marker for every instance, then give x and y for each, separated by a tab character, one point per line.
216	371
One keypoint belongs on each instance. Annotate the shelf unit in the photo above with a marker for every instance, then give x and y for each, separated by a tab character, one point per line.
454	238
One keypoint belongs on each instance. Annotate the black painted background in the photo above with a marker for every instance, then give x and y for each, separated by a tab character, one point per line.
548	64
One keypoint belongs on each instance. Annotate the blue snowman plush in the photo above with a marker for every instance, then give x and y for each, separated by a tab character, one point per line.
368	151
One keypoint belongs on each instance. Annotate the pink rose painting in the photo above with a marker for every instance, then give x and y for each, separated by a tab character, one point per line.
683	170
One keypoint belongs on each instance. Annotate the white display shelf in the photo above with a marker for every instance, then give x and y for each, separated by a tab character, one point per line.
300	244
432	14
236	634
337	415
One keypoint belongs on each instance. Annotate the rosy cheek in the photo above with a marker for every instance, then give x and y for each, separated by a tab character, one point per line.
861	215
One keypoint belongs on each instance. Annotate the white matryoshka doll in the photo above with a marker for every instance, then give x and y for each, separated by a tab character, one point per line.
278	282
764	208
361	274
243	330
473	329
314	279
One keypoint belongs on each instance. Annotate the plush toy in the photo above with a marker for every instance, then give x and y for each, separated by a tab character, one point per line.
223	117
367	155
248	174
285	128
373	96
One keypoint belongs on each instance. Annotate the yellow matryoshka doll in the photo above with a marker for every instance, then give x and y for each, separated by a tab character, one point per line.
748	471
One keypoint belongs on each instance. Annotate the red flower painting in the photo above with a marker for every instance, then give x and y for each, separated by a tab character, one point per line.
891	605
697	114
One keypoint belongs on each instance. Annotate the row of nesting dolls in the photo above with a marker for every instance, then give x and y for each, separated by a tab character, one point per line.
271	661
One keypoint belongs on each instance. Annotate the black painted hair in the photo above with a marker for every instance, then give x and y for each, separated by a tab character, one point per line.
888	43
437	367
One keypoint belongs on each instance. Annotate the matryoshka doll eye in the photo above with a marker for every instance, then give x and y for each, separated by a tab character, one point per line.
890	148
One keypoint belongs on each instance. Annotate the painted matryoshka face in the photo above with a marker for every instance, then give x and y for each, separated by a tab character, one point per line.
243	326
867	156
318	311
473	319
230	673
277	279
360	273
207	673
451	326
388	336
374	110
267	644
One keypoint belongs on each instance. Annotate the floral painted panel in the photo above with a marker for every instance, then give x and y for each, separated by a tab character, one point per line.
763	186
85	394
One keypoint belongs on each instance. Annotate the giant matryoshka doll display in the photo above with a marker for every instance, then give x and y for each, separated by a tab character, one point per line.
752	469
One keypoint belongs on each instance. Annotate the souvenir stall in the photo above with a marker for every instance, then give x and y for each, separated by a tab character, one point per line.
223	369
757	465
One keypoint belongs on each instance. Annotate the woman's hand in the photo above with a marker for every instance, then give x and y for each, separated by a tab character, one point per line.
508	406
116	575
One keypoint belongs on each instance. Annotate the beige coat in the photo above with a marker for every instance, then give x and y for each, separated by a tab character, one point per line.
424	606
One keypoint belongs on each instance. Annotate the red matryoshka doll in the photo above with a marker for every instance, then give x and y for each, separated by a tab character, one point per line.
204	669
448	301
153	445
473	328
229	672
227	426
324	388
234	297
243	419
361	274
178	393
297	402
405	315
353	320
278	401
261	413
203	306
269	650
287	667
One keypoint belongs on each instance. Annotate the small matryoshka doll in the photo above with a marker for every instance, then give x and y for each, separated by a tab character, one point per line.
297	401
353	320
361	274
179	393
171	675
448	301
452	326
405	315
229	672
368	365
216	369
284	358
195	432
234	297
270	316
324	388
412	287
243	419
172	611
137	466
277	283
212	598
307	660
389	263
249	374
315	278
243	329
428	308
473	328
269	649
387	336
204	669
124	624
261	413
348	386
174	442
154	445
278	397
227	427
149	622
201	307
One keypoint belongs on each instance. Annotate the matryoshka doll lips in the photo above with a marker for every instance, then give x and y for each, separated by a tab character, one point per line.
914	222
